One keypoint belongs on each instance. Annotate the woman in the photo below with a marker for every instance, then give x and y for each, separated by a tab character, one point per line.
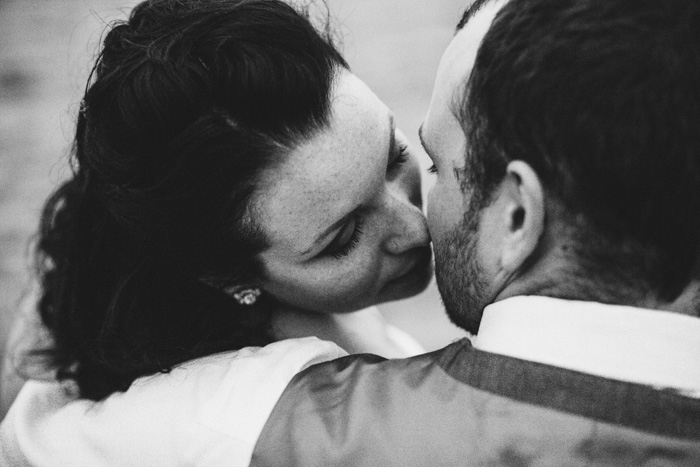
234	185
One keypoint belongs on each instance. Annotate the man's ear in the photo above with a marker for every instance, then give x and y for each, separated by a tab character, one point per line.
523	214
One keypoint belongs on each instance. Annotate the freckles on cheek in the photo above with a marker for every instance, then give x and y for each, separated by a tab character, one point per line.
352	276
331	279
335	289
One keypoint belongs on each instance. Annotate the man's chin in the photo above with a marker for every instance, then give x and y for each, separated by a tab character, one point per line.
463	296
467	321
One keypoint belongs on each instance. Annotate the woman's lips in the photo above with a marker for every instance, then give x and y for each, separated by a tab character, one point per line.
421	264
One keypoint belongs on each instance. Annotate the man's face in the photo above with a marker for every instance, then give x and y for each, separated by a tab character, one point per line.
459	237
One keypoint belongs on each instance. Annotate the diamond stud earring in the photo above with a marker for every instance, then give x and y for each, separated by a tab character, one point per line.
247	296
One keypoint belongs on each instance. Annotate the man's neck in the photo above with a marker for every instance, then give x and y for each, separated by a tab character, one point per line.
565	266
561	282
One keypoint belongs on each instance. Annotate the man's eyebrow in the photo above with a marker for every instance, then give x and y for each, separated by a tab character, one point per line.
422	141
470	12
392	138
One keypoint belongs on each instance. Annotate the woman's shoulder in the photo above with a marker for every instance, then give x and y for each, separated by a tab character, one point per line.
215	404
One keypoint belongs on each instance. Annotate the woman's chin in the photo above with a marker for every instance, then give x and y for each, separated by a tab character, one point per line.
410	284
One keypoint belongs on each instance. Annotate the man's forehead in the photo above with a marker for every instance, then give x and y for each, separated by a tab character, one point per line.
472	29
470	12
454	71
459	58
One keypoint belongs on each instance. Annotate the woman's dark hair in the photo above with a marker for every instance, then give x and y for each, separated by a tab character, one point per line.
189	101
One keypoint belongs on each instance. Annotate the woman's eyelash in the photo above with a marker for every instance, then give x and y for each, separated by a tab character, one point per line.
350	245
432	169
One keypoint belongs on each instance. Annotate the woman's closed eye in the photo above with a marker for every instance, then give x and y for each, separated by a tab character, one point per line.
346	240
432	169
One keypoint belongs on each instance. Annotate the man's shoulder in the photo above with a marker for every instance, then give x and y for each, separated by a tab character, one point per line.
366	380
338	410
462	403
353	374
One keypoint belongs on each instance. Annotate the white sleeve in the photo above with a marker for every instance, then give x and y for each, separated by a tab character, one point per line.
207	412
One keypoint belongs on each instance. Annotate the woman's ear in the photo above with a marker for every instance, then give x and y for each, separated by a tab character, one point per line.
523	215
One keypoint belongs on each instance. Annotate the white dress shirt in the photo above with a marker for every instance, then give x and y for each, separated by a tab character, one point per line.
650	347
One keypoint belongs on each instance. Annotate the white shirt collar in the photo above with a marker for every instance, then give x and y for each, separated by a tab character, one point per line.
638	345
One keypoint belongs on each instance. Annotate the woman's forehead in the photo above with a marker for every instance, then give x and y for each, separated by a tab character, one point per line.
330	175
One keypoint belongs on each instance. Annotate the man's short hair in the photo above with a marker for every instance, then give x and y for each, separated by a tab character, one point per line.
602	99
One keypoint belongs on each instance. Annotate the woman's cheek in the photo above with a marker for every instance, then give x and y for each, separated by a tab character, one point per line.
342	289
361	274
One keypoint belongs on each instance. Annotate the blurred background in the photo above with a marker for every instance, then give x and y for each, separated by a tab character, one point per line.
47	47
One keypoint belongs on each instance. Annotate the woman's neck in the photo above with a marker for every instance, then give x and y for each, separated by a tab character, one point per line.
362	331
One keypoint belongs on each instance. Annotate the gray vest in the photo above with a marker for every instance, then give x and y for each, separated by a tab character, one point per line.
460	406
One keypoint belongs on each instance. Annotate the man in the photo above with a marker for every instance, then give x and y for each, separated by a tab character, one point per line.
566	224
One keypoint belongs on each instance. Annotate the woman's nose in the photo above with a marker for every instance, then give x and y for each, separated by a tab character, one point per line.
407	227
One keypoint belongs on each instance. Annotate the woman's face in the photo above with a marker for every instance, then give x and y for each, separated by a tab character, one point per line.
342	213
